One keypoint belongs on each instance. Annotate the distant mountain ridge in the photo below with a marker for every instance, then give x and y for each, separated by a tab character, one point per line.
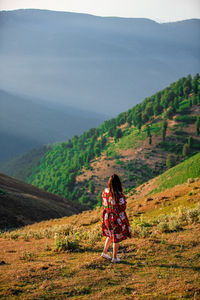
26	123
105	64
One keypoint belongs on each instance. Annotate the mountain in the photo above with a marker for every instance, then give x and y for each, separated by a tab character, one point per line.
61	258
26	123
21	166
22	204
102	64
138	145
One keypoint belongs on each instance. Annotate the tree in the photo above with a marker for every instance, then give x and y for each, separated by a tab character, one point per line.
195	83
129	120
111	131
148	131
197	125
186	150
157	108
99	199
187	86
150	140
170	161
193	99
190	141
169	113
149	134
83	198
103	141
145	116
91	187
118	133
97	149
164	129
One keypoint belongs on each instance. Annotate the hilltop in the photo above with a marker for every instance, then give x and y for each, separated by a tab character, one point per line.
61	258
22	204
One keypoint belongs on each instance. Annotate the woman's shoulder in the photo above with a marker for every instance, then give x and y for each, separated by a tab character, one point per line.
106	191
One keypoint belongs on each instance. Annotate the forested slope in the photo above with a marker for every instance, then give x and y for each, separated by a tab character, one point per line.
138	145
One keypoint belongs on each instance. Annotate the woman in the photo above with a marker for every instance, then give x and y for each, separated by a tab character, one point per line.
115	224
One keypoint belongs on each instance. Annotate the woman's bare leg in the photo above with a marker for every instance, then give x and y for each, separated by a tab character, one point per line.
107	244
115	249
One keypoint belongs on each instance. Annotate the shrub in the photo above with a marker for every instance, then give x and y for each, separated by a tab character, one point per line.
94	236
28	256
63	243
141	227
163	226
141	231
193	215
182	215
174	225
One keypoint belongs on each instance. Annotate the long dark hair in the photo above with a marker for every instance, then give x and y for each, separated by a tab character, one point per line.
115	186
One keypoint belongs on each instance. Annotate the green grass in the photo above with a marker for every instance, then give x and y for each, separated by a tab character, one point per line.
179	174
134	138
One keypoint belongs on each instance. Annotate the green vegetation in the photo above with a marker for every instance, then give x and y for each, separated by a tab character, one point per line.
170	162
166	223
164	129
186	119
179	174
60	165
186	150
197	125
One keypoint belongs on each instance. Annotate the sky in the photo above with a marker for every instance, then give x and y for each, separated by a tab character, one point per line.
158	10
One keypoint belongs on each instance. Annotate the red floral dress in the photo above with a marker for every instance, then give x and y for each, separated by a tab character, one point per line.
115	223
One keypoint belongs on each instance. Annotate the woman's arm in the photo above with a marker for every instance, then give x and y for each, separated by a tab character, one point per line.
104	199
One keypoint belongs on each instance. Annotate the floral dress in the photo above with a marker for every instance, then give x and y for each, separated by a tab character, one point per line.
115	223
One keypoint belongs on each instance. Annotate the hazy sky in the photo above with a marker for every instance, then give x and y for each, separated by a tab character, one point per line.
159	10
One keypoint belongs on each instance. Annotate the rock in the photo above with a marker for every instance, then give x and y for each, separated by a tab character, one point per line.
149	199
190	180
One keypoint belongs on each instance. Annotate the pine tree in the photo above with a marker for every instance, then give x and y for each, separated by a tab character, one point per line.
190	140
197	125
186	150
170	162
91	187
164	129
118	134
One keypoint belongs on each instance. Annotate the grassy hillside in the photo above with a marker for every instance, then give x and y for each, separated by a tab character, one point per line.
136	145
59	259
178	174
22	204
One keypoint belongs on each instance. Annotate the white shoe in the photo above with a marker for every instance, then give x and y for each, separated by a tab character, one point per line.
114	260
105	255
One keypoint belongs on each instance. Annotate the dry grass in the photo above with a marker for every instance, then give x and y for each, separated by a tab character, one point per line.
159	265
